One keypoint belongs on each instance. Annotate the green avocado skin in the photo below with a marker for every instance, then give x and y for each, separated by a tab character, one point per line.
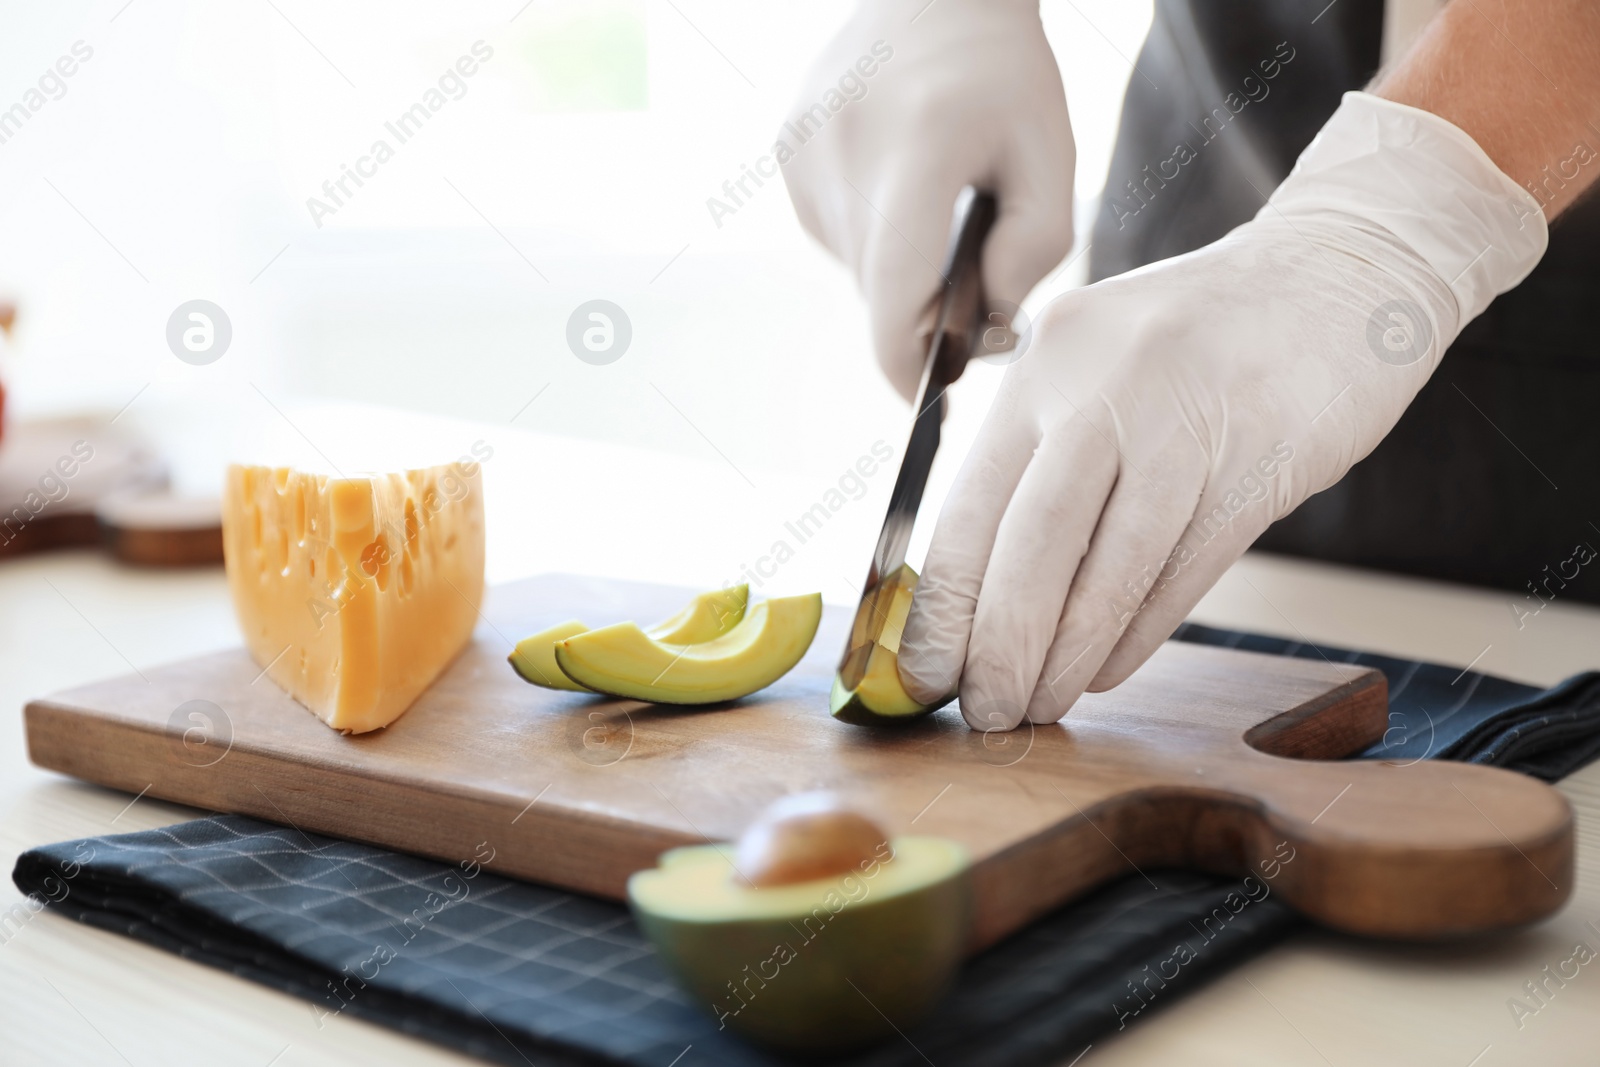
843	971
856	712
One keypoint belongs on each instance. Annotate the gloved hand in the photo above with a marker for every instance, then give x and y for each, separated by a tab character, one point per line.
967	94
1162	419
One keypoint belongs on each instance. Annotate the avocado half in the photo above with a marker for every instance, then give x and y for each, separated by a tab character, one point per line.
625	661
707	616
819	966
879	699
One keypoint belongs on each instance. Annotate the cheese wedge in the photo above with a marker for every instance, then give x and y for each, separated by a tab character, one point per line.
354	594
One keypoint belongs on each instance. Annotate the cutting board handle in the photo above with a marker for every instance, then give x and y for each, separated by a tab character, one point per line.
1416	850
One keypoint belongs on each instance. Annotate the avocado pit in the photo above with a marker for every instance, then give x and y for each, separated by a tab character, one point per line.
806	837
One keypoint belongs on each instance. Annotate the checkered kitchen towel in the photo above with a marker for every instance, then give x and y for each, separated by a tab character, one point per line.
518	973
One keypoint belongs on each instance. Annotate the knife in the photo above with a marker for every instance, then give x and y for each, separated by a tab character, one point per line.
950	329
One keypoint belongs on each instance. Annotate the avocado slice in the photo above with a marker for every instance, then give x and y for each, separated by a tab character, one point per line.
534	658
706	616
823	965
879	699
624	661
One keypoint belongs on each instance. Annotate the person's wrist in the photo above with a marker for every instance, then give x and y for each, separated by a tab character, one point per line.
1425	182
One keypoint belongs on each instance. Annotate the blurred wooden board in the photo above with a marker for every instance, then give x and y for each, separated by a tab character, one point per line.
161	529
77	481
580	791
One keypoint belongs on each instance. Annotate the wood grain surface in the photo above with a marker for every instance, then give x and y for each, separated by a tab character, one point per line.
580	791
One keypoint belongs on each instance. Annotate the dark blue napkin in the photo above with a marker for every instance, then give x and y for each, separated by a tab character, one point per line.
1448	713
519	973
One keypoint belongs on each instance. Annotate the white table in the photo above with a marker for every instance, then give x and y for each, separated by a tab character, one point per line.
69	994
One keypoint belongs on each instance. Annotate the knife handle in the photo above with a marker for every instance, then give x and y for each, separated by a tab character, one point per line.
957	309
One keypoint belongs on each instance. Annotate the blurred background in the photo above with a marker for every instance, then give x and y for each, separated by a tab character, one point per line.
575	164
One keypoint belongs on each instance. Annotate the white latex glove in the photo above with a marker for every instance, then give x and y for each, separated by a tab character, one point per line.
1162	419
968	94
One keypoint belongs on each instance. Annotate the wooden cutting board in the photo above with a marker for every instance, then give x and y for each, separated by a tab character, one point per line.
1204	759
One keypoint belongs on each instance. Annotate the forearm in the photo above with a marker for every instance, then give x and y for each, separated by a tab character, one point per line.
1522	77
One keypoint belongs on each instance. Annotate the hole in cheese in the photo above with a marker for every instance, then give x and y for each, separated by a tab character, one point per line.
375	562
408	572
411	529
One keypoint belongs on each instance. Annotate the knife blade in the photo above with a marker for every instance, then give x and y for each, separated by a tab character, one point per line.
952	324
